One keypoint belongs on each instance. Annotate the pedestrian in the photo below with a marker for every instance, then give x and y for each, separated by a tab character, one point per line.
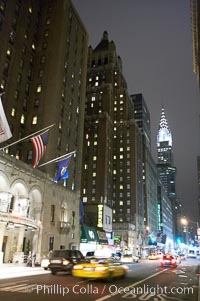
33	259
29	260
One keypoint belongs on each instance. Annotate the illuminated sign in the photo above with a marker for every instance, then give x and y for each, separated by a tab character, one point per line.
100	216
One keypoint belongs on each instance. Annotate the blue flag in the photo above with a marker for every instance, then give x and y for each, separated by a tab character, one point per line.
62	172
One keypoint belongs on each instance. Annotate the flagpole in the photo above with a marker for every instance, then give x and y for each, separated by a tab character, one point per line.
27	137
56	159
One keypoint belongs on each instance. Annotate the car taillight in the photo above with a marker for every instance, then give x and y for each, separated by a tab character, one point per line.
173	261
65	262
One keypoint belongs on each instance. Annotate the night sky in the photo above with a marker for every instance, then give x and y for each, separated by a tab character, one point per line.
153	38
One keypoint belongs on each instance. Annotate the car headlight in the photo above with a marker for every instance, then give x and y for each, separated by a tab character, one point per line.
77	267
65	262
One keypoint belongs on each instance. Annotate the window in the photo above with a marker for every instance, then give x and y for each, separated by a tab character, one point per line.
34	121
8	52
13	112
52	217
42	60
39	89
22	120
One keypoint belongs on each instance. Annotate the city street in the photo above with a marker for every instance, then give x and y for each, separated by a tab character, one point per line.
146	280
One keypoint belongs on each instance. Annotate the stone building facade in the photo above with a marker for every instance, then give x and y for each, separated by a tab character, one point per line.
35	213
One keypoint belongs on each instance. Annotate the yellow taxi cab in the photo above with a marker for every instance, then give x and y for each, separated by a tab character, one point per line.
100	268
152	256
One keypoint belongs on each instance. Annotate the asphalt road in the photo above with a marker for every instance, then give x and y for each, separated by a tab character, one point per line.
145	281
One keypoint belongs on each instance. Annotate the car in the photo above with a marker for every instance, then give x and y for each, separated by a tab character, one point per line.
152	256
100	268
183	256
45	263
159	255
177	258
129	258
116	255
64	260
89	255
191	254
168	260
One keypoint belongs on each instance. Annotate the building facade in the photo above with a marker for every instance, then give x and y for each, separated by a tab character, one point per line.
44	78
43	62
110	149
35	214
167	170
149	170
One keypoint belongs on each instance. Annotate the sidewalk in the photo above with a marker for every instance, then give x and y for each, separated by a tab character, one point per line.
12	270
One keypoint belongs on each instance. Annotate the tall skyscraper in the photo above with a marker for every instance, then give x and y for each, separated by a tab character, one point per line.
43	60
166	168
112	143
149	171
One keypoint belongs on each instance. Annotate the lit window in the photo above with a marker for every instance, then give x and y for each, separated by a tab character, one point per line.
94	158
121	95
33	46
8	52
90	79
13	112
114	157
94	174
97	77
115	84
88	143
95	142
39	89
22	120
93	98
96	84
121	187
115	109
114	172
30	10
34	121
121	156
121	149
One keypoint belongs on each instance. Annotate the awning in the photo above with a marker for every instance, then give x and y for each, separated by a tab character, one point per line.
88	234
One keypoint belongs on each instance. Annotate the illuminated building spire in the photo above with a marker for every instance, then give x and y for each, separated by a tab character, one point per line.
164	133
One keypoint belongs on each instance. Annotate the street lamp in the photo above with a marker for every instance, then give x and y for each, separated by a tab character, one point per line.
185	222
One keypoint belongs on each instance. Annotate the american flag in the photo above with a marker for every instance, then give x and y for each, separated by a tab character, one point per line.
40	145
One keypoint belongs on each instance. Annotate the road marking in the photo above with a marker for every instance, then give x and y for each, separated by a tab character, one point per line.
23	288
11	283
132	285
